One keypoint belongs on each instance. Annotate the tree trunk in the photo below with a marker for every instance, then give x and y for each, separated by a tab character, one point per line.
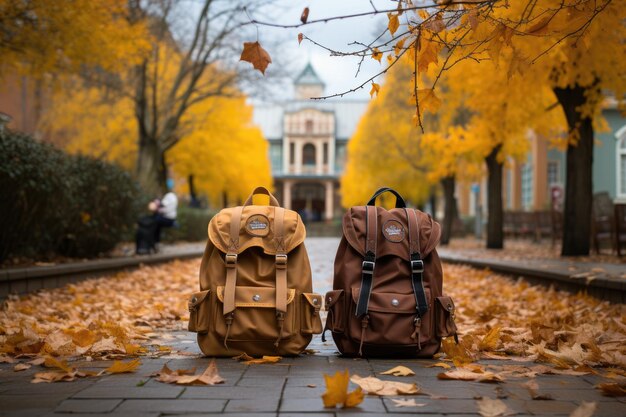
433	204
449	208
578	184
495	235
150	170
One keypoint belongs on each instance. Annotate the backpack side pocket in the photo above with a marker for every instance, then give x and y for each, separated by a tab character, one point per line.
444	317
199	312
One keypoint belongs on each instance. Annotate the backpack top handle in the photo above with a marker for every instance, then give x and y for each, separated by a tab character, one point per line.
262	190
400	203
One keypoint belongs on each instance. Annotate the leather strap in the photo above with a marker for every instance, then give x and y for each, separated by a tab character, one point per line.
281	260
262	190
417	264
231	261
367	267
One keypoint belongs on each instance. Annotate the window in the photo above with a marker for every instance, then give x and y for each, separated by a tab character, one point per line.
527	186
276	151
308	126
326	154
621	162
292	153
553	172
308	154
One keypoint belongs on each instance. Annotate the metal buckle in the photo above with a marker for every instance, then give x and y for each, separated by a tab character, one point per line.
368	267
417	266
231	260
281	261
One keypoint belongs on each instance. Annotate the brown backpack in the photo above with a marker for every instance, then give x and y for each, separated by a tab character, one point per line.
255	284
387	297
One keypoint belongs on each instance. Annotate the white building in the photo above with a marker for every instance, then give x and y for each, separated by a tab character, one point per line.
307	145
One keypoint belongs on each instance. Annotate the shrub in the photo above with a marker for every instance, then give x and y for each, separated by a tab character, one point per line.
58	203
191	223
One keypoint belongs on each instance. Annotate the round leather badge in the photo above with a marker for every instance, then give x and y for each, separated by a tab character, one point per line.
258	225
393	231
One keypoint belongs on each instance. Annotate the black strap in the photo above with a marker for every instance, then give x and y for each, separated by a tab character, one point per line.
417	264
399	200
369	263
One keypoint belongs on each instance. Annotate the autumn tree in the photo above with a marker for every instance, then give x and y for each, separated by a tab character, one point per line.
574	47
39	36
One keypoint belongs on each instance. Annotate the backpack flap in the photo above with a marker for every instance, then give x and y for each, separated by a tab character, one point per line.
256	230
393	235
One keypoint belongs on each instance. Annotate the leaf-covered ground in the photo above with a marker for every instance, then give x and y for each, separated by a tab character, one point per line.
125	315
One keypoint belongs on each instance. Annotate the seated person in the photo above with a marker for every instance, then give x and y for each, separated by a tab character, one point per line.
165	214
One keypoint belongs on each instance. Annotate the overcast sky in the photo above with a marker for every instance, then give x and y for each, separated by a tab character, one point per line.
337	72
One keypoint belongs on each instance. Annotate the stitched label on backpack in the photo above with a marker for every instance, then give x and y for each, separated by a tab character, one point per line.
258	225
393	231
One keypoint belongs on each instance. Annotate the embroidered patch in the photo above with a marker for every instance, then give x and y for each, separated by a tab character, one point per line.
393	231
258	225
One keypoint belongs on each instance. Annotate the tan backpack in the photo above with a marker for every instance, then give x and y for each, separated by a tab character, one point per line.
387	297
255	284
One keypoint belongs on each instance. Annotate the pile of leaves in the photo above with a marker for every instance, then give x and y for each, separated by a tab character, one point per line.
112	317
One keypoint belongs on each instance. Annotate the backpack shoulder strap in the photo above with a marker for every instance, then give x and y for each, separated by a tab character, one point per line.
231	261
367	267
417	264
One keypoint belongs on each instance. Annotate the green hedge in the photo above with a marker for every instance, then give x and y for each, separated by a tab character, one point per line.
192	224
55	203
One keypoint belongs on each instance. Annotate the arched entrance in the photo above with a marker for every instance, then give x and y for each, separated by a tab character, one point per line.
308	199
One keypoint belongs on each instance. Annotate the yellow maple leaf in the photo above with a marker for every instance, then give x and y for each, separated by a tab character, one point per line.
337	391
427	54
394	23
399	46
376	54
427	100
256	55
120	367
264	359
132	349
490	340
375	89
51	362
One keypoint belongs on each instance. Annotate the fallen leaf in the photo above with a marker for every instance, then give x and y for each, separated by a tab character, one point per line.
243	357
612	389
37	361
51	362
440	365
21	367
311	385
586	409
256	55
374	386
533	389
466	375
7	359
337	391
264	359
407	403
210	376
120	367
399	371
492	408
490	340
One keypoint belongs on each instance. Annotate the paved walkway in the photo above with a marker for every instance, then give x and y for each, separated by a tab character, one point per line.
290	388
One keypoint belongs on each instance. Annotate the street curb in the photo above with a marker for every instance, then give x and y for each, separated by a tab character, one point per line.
602	286
28	279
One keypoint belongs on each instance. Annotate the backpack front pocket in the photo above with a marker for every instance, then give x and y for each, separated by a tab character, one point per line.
254	317
310	322
391	320
199	312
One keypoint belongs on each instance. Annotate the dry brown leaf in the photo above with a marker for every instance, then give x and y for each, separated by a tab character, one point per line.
300	37
407	403
256	55
305	15
440	365
492	408
490	340
337	391
613	389
586	409
37	361
311	385
374	386
51	362
7	359
467	375
53	377
399	371
533	390
210	376
21	367
243	357
120	367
